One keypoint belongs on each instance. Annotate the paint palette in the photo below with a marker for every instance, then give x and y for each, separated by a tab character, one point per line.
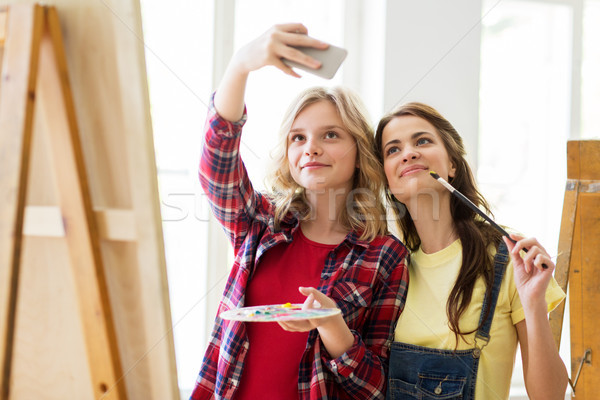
277	312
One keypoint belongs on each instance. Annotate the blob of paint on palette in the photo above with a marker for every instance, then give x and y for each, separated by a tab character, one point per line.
277	312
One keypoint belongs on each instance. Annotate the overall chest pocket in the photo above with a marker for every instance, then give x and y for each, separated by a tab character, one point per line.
440	387
428	387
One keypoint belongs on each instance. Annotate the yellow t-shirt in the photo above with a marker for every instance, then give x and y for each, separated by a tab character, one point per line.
424	321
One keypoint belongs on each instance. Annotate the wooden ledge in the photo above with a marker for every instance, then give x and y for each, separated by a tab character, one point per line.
113	224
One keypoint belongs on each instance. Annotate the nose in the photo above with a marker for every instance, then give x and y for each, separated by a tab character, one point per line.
312	148
409	154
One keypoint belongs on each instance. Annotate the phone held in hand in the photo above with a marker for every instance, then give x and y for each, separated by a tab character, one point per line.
331	58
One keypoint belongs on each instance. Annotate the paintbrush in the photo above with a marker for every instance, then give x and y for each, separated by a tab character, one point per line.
473	207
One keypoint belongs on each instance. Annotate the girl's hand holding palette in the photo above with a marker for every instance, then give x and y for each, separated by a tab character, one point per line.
277	312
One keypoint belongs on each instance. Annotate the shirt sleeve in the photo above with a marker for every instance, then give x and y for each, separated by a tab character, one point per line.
362	370
554	295
224	178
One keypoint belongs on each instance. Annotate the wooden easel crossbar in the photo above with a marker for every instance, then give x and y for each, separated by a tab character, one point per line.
34	70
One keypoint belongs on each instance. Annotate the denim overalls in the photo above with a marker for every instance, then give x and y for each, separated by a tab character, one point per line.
423	373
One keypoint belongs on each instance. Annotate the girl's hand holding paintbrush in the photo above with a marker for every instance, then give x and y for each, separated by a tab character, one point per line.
531	277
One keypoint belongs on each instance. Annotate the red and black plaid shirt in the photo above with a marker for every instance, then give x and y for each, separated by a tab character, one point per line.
367	280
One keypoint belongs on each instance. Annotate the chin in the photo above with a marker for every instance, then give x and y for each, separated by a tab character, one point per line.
410	189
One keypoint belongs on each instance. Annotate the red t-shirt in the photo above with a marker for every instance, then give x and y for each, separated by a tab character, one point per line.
273	358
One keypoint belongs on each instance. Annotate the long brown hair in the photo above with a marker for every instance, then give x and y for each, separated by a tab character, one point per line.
364	212
475	235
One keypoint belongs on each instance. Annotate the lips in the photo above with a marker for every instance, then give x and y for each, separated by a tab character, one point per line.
313	164
412	169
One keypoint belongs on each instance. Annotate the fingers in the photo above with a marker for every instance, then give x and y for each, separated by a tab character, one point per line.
320	299
309	302
274	45
293	54
509	244
526	243
282	40
278	63
537	257
296	326
283	325
295	34
534	254
312	297
544	262
292	27
289	327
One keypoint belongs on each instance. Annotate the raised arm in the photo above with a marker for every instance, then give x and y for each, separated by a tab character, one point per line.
544	371
222	173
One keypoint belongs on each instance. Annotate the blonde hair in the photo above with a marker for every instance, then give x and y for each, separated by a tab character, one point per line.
364	211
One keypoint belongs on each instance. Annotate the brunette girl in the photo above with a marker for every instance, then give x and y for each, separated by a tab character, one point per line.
468	305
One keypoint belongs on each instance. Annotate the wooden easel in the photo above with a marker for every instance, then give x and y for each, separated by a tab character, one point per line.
34	70
579	263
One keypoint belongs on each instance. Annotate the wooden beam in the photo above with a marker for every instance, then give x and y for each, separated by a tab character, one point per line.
58	114
43	221
565	247
3	17
588	327
116	225
20	60
583	164
113	224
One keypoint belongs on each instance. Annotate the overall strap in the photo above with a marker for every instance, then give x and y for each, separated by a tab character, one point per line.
500	261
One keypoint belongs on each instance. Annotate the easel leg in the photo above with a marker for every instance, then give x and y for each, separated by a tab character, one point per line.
24	24
563	261
57	113
34	65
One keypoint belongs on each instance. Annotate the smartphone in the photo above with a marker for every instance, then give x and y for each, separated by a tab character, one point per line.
331	58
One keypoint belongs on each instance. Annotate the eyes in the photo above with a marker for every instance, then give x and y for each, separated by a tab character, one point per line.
299	137
421	141
331	135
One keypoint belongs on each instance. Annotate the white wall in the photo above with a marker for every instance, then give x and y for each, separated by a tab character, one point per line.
432	55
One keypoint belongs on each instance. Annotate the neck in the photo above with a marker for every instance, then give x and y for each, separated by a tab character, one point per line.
324	225
433	221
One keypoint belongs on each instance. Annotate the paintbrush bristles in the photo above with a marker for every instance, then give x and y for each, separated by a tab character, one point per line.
442	181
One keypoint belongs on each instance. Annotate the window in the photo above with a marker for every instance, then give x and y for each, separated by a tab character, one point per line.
179	77
590	79
525	114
